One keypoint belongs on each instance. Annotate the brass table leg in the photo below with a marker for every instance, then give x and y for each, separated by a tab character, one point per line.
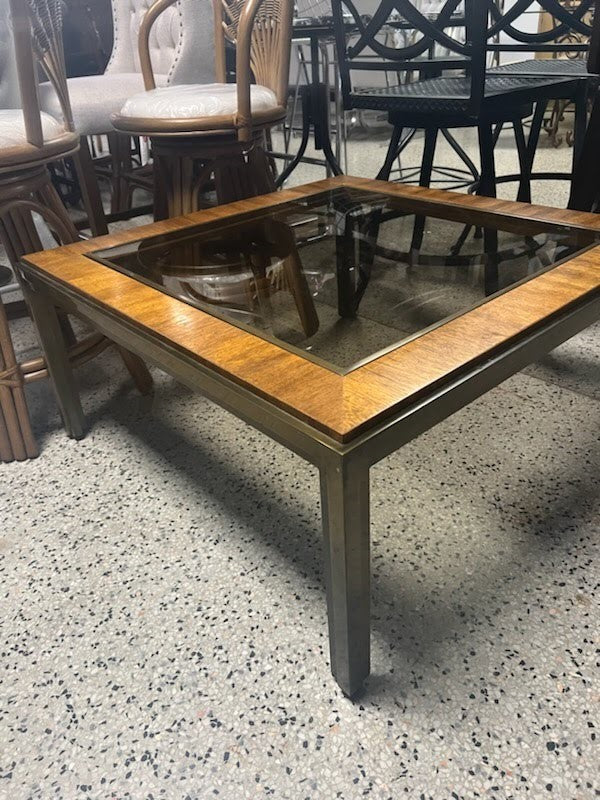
345	510
57	361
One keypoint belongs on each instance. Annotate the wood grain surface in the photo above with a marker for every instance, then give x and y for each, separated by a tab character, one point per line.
340	406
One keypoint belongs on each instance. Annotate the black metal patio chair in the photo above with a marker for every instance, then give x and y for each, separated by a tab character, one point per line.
441	83
445	90
559	51
585	187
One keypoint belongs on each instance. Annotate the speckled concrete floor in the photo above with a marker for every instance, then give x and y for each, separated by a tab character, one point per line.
163	629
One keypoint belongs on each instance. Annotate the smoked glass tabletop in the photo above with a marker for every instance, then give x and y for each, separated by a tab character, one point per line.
343	276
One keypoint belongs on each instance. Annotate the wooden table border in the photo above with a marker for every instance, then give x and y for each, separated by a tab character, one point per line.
341	406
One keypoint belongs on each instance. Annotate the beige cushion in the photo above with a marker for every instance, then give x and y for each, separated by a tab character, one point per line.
195	100
94	98
12	128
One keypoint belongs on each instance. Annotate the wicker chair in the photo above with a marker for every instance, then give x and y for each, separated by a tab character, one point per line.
10	99
202	131
181	53
29	140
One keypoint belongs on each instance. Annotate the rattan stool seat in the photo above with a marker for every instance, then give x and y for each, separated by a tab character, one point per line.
192	108
15	148
29	138
214	135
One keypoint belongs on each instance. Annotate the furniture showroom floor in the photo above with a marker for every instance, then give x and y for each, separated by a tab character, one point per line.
162	593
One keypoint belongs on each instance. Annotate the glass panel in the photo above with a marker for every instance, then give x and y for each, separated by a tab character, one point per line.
345	275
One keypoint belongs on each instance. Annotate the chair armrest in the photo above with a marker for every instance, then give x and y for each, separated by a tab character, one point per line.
155	10
28	86
243	69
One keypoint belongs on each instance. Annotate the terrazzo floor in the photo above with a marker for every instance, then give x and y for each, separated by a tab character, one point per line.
163	627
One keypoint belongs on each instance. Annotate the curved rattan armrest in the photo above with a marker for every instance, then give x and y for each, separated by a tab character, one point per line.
155	10
244	47
243	70
243	60
37	37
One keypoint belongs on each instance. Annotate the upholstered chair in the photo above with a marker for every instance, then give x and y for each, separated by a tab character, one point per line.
30	139
180	46
216	130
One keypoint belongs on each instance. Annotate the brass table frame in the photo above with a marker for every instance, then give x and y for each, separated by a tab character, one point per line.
344	467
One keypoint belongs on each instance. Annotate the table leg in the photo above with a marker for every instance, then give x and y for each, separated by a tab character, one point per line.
345	260
345	510
57	360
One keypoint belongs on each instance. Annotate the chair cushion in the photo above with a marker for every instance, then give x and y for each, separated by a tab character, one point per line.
12	128
94	98
195	100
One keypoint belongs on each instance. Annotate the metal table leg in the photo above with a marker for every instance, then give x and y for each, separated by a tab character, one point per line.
345	510
314	115
320	120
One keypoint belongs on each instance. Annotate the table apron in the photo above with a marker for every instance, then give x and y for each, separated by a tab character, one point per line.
283	427
475	382
299	436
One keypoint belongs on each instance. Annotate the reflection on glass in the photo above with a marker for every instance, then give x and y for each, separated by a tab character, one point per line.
345	275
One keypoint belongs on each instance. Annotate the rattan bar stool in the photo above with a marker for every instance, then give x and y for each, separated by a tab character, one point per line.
29	140
205	132
181	50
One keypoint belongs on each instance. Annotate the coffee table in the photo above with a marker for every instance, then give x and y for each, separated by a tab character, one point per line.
319	316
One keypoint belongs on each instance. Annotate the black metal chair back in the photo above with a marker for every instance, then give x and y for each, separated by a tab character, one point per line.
569	32
374	45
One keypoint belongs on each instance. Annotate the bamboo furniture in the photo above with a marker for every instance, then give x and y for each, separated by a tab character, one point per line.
205	131
10	99
343	410
29	140
180	46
